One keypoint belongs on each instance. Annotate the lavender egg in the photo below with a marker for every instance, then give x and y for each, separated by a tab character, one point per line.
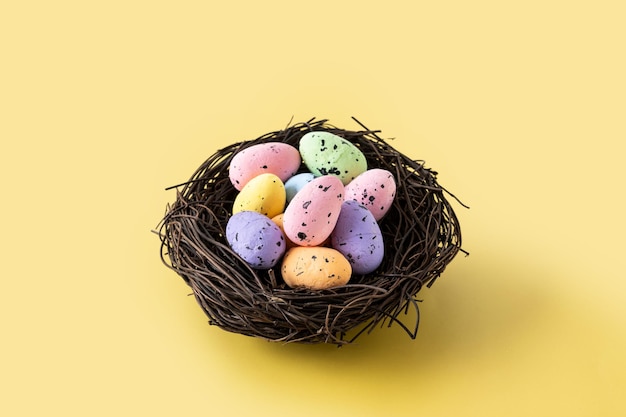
256	238
358	237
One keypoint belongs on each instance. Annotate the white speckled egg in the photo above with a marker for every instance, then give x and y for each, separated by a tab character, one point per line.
256	238
358	237
375	189
310	217
280	159
264	193
325	153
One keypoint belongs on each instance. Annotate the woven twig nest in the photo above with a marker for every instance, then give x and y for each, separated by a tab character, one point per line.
421	234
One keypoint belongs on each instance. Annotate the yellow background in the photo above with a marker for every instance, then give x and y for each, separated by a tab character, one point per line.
518	105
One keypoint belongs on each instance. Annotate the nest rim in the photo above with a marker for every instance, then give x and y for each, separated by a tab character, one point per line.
421	232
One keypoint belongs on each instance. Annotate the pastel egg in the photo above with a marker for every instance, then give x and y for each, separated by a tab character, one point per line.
295	184
315	268
375	189
256	239
325	153
264	193
358	237
279	222
311	216
280	159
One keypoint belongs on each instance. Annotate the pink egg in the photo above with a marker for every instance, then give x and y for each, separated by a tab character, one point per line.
280	159
374	189
310	217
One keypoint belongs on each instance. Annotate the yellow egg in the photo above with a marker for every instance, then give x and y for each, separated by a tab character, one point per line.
315	267
264	194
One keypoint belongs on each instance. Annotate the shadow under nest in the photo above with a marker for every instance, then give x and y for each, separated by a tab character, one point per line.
421	234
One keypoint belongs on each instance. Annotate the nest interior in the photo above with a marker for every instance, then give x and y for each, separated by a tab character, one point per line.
421	234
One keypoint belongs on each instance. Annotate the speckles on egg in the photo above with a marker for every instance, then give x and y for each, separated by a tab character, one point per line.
312	214
375	189
315	268
264	193
295	184
278	158
325	153
256	239
358	237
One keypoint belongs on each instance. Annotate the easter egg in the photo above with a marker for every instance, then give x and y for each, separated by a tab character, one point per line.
279	222
311	215
280	159
325	153
315	268
255	238
264	193
375	189
295	184
358	237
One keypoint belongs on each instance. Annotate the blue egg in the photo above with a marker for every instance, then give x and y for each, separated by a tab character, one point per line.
295	184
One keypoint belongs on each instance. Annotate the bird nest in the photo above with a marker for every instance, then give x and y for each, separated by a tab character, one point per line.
421	234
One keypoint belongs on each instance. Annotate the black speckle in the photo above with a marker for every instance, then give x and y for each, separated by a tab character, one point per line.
335	147
301	235
323	142
372	198
326	260
279	244
236	237
306	204
364	218
382	185
304	224
264	167
314	257
330	214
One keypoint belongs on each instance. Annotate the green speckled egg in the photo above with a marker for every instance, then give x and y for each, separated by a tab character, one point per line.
325	153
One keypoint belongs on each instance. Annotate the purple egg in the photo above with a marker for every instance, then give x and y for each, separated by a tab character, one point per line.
256	238
358	237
